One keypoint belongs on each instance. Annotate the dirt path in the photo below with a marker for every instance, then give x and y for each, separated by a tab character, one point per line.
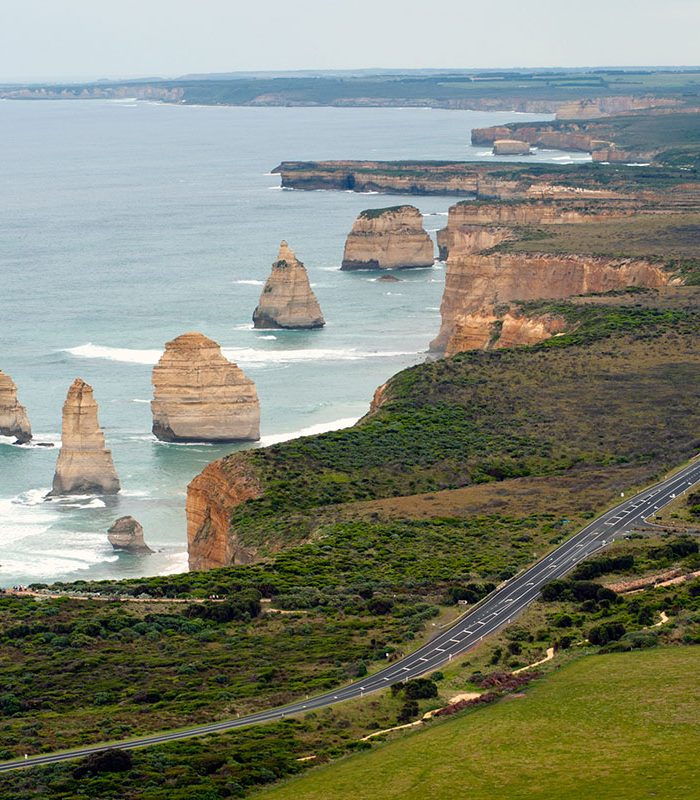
548	657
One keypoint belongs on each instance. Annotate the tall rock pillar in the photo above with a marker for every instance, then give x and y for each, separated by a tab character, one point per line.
84	465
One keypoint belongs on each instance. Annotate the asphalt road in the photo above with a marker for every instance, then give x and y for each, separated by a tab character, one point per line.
495	611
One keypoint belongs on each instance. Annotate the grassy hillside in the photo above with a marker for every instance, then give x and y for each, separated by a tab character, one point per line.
595	398
234	764
471	467
615	726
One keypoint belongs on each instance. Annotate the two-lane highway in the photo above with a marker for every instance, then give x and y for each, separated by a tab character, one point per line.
495	611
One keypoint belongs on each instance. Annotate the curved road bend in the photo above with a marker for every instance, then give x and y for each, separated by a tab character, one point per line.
495	611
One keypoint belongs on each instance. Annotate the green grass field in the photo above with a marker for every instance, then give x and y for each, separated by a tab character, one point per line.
616	726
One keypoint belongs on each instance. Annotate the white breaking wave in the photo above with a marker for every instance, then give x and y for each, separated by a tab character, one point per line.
181	444
249	282
322	427
94	503
242	355
45	441
20	518
139	400
123	354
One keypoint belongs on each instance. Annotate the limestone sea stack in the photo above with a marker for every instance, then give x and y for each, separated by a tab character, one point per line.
127	534
84	465
13	415
288	301
511	147
388	238
201	396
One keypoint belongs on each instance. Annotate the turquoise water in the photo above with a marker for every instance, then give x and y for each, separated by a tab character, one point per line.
124	224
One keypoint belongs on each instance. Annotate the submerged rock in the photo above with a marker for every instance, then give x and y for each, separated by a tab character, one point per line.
84	465
201	396
388	238
13	415
287	300
126	533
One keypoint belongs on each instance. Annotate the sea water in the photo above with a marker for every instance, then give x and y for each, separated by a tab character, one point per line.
124	224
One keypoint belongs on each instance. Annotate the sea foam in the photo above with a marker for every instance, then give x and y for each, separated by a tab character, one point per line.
322	427
243	355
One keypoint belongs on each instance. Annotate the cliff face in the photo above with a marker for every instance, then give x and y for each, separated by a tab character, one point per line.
428	178
200	396
472	227
287	300
486	329
533	213
543	135
606	152
84	466
13	415
388	238
458	238
605	106
211	497
474	282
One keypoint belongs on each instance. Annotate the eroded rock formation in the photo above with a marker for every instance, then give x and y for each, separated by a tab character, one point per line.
491	328
211	497
84	465
388	238
200	396
594	107
473	227
475	282
13	415
440	178
510	147
127	534
287	299
546	135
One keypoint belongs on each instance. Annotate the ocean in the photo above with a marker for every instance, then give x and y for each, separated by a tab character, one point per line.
124	224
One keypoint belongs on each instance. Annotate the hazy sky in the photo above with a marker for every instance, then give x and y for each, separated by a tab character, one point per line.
75	39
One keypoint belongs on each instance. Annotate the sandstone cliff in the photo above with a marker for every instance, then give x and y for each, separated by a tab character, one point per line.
472	227
84	466
474	282
388	238
200	396
490	328
13	415
287	299
594	107
547	136
127	534
439	178
211	497
609	153
464	238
